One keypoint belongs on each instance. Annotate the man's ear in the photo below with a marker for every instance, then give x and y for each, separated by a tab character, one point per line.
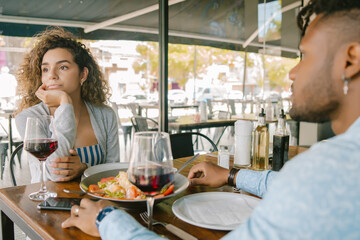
84	75
352	60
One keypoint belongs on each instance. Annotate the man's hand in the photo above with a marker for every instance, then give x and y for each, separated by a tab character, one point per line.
207	173
71	166
52	98
85	217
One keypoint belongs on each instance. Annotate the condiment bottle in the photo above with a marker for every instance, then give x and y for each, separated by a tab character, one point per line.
280	143
260	160
224	157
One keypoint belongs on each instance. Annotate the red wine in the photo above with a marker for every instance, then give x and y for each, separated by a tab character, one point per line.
151	180
41	148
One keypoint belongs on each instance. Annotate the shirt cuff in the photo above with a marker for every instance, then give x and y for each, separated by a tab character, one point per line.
119	223
254	182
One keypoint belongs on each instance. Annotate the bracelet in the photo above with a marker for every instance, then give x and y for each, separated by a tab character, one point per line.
231	177
102	214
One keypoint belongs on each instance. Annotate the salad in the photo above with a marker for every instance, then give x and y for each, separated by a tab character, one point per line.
120	187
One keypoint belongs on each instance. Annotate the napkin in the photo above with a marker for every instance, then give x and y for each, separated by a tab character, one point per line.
223	212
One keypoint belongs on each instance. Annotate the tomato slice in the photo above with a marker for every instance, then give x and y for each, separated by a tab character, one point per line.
169	190
104	180
94	188
131	192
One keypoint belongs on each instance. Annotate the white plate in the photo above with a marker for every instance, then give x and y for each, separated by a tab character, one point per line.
104	167
215	210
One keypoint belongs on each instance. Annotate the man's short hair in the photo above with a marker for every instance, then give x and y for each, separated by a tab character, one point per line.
348	11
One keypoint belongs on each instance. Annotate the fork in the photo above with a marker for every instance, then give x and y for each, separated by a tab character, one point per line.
171	228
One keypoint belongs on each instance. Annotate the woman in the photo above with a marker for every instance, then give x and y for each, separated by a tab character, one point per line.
59	77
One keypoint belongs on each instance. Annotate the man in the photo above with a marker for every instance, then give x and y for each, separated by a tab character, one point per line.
316	195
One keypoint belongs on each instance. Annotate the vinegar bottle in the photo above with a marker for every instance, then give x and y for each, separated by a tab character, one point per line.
260	161
280	144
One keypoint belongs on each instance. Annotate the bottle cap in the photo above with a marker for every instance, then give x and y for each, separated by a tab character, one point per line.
282	114
262	113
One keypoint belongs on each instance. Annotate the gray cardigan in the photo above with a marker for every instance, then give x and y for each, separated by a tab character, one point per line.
103	121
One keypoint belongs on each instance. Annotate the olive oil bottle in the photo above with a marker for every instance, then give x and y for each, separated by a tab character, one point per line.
260	160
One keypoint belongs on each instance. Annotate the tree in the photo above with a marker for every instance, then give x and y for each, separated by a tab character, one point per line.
181	60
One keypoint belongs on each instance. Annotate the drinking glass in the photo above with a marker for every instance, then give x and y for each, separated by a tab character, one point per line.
151	165
41	141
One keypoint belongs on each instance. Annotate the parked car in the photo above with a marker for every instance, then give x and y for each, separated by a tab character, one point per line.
235	94
274	96
177	97
211	93
133	97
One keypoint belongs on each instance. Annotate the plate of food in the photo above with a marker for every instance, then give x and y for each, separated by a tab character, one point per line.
114	185
104	167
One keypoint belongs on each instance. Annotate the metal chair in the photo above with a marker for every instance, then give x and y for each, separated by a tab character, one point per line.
16	152
231	106
182	144
4	147
142	124
125	129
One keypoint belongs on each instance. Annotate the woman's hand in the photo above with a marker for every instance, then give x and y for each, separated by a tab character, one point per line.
71	166
85	217
207	173
52	98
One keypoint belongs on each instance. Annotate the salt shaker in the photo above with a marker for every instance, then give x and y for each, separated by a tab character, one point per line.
224	157
243	132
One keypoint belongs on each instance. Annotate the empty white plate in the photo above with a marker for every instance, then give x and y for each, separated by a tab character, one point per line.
215	210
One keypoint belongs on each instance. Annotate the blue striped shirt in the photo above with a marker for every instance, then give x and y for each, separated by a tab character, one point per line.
91	155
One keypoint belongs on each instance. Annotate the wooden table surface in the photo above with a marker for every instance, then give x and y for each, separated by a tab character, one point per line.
46	224
191	124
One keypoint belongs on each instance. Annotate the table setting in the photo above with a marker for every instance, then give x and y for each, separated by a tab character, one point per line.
189	212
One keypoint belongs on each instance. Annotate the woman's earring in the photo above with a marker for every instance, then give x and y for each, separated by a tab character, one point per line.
81	83
346	83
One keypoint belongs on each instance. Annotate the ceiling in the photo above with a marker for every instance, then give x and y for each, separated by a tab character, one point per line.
229	24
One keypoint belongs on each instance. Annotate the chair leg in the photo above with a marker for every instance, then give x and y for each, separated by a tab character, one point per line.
3	158
3	153
19	158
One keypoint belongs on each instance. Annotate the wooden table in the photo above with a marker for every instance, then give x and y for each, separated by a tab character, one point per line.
191	124
17	208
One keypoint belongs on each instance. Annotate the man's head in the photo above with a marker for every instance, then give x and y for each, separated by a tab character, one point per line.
331	49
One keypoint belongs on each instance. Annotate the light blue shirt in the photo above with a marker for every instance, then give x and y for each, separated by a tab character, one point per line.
315	196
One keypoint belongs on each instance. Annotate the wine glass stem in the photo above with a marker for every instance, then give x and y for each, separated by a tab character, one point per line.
150	206
43	178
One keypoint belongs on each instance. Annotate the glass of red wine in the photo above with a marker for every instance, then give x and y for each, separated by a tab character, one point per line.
151	165
41	141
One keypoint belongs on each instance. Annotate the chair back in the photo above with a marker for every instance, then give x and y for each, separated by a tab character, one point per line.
16	152
182	144
142	124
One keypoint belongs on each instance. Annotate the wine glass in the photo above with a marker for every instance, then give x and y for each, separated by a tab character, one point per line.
151	165
41	141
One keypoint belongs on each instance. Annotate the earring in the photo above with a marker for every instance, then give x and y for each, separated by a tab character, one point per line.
346	84
81	83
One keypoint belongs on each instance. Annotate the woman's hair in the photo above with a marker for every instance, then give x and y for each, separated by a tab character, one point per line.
94	90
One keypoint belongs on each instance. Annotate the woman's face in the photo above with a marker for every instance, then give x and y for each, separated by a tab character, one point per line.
60	72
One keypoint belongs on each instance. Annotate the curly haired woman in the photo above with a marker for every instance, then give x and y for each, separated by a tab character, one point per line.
60	77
